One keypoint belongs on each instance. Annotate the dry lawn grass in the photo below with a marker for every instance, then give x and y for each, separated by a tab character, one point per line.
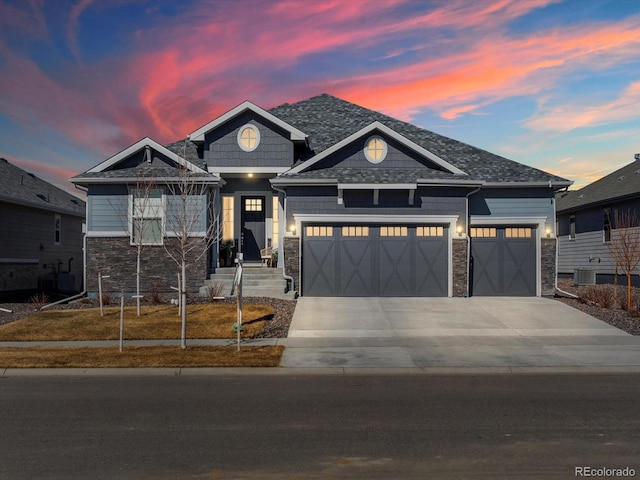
158	322
173	357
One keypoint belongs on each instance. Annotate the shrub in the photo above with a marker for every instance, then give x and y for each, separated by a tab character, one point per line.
107	298
601	295
215	290
38	300
155	295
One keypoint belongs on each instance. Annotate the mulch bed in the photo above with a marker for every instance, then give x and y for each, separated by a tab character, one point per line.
616	317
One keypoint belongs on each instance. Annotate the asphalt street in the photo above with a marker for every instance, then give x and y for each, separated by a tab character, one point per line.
317	427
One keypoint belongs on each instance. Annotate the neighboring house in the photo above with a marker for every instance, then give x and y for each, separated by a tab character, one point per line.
585	219
355	202
40	235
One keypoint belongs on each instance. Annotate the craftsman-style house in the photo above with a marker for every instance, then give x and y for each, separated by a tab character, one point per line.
354	202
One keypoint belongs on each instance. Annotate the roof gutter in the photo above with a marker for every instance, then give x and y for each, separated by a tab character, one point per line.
101	180
49	208
549	184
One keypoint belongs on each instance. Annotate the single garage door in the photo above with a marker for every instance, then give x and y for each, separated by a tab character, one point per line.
375	260
504	261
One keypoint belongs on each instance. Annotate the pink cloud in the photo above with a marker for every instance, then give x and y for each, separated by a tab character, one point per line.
495	68
215	56
566	117
72	26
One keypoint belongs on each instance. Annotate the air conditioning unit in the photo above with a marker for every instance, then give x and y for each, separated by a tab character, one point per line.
584	276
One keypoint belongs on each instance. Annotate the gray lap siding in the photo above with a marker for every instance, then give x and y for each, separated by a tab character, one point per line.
274	150
29	234
323	200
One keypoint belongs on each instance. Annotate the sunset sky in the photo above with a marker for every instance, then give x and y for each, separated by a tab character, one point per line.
552	84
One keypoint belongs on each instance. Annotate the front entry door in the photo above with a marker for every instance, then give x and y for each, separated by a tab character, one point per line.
253	230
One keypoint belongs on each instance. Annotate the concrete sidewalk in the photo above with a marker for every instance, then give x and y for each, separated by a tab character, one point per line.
478	332
418	335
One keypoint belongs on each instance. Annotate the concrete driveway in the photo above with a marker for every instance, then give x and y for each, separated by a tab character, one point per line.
496	332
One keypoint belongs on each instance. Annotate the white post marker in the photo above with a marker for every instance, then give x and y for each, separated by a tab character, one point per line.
6	310
238	284
100	277
121	322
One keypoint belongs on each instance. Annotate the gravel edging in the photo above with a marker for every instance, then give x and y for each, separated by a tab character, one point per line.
615	317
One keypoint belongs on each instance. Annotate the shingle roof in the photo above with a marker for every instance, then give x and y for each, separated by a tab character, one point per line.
24	188
139	171
622	183
328	120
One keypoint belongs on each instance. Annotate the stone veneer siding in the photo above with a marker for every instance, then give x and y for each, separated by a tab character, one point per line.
548	266
459	267
114	256
292	259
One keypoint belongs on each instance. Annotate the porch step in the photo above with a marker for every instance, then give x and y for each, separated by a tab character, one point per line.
256	282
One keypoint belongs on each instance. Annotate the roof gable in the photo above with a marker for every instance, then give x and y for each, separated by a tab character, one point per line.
294	133
373	128
145	144
329	120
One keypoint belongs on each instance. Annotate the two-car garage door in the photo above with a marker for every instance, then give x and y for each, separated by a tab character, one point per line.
375	260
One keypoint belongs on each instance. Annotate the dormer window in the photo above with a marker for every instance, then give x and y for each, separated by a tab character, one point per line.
375	149
248	138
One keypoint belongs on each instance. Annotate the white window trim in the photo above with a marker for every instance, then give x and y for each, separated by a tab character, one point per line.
239	137
57	232
385	149
162	217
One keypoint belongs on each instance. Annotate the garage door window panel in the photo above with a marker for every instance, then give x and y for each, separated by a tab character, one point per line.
320	261
396	261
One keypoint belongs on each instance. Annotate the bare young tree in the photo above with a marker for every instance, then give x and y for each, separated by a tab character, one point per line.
624	245
142	220
146	220
192	226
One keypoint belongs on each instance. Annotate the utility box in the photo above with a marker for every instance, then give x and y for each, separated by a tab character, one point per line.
584	276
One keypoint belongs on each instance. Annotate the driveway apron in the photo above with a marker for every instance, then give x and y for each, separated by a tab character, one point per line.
452	332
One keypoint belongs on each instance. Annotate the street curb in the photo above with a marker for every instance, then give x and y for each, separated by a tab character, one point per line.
283	371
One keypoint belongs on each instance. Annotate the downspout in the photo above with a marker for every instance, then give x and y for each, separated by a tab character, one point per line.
571	295
468	293
289	278
84	277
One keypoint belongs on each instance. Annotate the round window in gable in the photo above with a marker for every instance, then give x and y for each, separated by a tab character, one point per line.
248	138
375	150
